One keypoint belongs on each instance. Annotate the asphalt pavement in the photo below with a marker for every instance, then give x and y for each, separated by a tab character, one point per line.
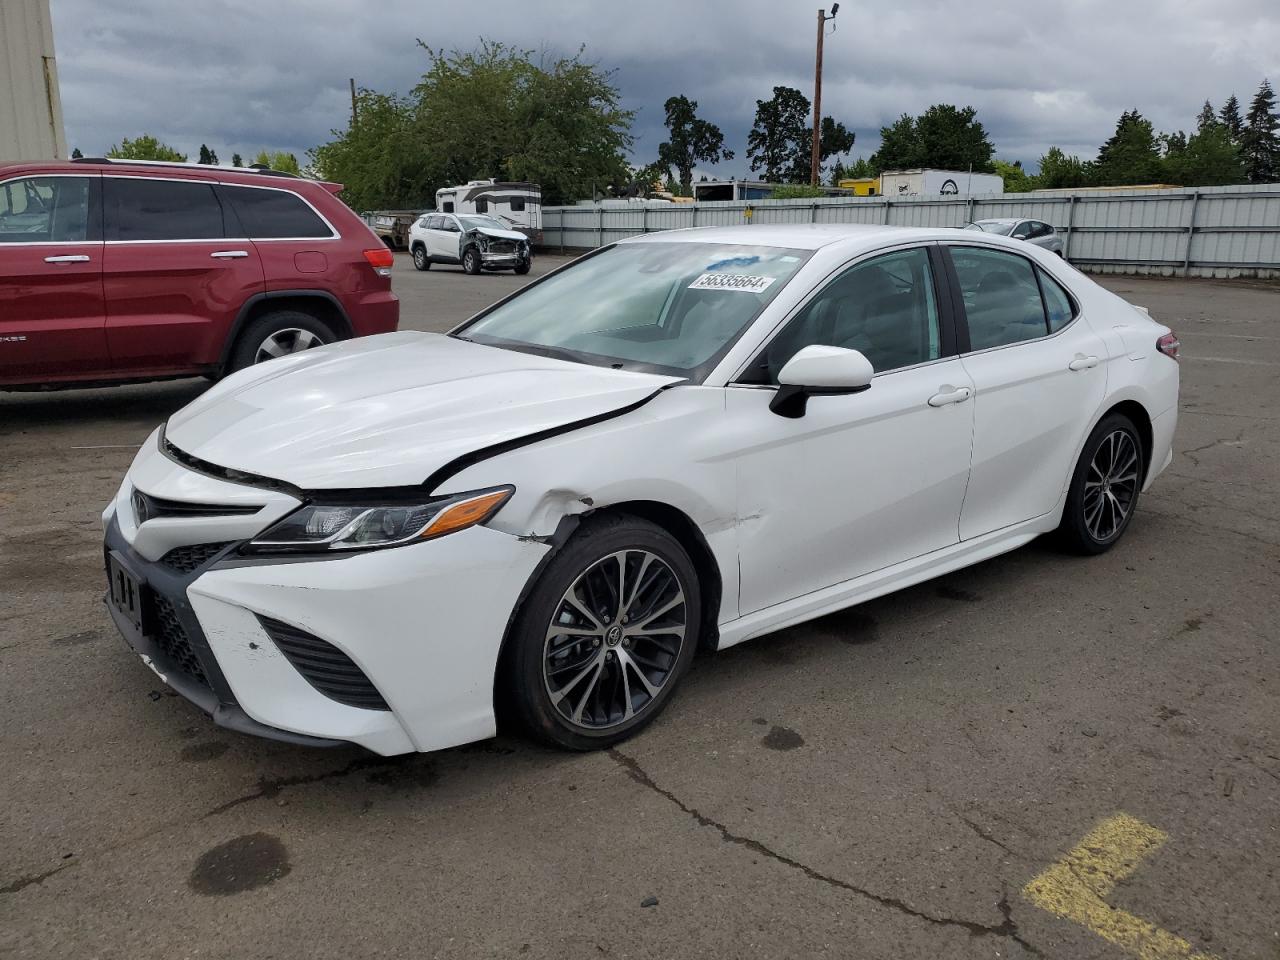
1041	755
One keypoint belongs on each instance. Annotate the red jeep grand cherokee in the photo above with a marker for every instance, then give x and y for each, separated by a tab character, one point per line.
122	270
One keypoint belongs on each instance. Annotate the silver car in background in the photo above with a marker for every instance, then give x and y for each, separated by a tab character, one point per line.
1033	231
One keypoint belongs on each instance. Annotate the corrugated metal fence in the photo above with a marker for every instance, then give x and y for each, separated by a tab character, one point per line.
1204	232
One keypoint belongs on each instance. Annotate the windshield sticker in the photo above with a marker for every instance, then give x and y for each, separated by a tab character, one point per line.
732	281
733	262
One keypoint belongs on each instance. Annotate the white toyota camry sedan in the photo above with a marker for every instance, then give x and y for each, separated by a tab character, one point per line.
678	442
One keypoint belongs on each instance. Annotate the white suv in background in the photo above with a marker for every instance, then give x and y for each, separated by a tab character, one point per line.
476	241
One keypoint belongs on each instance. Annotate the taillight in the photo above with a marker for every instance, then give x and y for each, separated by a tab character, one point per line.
381	259
1168	345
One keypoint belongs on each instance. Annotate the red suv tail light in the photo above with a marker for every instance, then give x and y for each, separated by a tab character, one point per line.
381	259
1168	345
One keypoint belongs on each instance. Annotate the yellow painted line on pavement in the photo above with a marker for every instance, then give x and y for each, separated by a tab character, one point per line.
1076	888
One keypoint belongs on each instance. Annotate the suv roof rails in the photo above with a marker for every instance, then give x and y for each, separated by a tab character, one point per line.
252	168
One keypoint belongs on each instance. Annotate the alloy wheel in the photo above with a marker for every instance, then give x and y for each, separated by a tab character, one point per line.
614	639
1111	487
282	342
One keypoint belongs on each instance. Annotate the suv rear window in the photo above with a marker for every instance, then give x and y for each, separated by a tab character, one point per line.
269	214
141	209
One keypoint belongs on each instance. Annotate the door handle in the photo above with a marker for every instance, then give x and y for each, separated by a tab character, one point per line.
69	258
949	395
1082	363
229	254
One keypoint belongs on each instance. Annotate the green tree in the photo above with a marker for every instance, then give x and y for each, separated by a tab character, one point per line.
1130	156
1015	178
145	147
280	160
776	142
205	155
1231	119
494	112
834	140
1059	171
797	191
644	178
213	157
378	158
1259	140
945	137
76	154
236	161
693	140
1209	158
1206	117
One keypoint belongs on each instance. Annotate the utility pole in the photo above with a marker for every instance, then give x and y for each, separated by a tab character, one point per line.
354	115
817	94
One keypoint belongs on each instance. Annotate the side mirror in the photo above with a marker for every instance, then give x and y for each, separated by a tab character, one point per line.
819	371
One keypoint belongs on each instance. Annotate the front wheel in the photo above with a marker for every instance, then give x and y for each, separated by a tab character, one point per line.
1104	488
523	267
605	636
471	261
420	260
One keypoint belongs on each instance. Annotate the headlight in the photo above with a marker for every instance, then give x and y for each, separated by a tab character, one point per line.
317	528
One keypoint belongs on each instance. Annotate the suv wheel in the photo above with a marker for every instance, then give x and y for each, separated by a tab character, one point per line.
277	334
471	261
420	260
523	267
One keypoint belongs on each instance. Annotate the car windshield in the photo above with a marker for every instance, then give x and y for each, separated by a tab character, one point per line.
661	307
1002	227
487	223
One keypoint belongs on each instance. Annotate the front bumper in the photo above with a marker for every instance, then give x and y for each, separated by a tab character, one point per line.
424	623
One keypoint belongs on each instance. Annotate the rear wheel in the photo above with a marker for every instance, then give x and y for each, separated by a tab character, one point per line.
277	334
605	636
420	260
1104	488
471	261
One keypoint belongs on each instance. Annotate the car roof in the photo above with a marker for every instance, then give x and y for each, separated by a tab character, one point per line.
1001	220
797	236
195	171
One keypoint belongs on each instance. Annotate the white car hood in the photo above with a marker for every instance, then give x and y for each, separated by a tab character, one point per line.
390	410
500	234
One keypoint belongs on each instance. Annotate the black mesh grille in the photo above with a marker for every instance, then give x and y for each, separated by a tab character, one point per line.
185	559
502	246
166	631
324	666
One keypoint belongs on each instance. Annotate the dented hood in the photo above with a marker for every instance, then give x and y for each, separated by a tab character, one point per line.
391	410
500	234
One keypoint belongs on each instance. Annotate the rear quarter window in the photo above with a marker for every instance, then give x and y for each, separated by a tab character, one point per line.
270	214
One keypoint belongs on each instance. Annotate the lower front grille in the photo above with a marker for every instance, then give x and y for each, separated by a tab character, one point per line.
167	632
502	246
185	559
324	666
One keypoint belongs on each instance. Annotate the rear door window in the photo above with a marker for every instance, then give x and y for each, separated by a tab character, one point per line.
1001	297
141	209
1058	306
45	209
268	214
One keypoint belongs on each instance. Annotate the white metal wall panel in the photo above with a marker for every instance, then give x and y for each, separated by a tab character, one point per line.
30	108
1236	229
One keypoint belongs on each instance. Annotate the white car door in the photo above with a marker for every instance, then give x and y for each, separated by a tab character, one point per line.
1039	373
442	242
860	481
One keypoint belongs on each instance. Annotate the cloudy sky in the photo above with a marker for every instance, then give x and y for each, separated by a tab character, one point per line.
243	75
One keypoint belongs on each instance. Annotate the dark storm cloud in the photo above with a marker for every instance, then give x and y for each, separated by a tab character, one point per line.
245	76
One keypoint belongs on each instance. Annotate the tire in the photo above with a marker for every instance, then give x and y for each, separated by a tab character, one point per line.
420	261
471	262
251	346
523	267
545	671
1105	487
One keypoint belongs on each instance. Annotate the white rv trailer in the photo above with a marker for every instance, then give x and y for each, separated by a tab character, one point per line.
516	204
913	183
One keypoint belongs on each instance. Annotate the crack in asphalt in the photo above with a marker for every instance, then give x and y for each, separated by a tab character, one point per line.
269	788
983	833
32	879
1008	928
